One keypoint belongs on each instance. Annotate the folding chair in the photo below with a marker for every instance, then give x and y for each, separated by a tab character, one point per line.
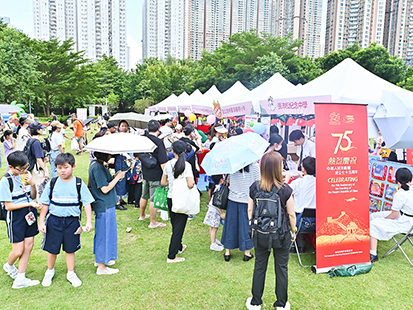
407	236
301	230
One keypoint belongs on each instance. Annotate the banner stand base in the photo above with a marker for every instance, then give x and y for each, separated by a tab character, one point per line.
319	270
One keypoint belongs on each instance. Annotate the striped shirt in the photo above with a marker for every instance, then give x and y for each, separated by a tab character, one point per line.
240	182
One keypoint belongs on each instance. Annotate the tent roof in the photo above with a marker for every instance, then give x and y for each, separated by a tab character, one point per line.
163	103
196	96
204	105
234	91
274	86
348	82
178	100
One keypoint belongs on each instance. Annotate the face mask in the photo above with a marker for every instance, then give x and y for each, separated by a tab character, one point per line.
277	148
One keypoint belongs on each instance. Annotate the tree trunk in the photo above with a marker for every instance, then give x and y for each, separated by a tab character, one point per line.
47	95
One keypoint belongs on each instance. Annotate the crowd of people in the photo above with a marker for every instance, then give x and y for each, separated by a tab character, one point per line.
28	187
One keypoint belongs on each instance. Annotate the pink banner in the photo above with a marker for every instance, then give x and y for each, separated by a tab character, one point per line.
172	109
237	109
153	108
302	105
199	109
162	109
183	108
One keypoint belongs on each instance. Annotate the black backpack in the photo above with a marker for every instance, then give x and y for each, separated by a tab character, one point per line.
46	145
2	205
30	155
267	222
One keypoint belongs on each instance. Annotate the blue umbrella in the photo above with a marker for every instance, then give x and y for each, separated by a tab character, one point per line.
235	153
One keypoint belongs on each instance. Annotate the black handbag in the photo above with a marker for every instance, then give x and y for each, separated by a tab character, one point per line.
220	197
148	160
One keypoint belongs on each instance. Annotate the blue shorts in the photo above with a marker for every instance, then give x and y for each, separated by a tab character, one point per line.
17	227
61	231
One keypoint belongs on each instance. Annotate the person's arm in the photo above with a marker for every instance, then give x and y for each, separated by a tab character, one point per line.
118	176
29	179
13	143
250	207
190	181
291	214
61	149
41	164
164	180
393	215
88	212
10	206
43	212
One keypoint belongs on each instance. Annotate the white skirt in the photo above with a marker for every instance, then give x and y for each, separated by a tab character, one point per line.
384	229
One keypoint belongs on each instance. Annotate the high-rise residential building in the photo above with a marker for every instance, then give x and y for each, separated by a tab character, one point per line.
185	28
98	27
5	19
386	22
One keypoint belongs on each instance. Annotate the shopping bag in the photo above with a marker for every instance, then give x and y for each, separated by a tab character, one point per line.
74	146
160	198
184	199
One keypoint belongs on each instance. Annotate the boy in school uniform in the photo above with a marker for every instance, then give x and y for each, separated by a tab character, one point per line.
62	226
21	217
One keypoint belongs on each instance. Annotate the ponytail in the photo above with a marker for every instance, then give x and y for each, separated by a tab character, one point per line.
179	165
404	176
405	186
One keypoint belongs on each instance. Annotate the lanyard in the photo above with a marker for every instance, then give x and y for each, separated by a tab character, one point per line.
23	188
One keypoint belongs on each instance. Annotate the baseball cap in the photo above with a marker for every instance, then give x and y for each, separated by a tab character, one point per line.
36	126
110	125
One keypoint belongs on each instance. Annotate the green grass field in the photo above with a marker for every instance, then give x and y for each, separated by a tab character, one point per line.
203	281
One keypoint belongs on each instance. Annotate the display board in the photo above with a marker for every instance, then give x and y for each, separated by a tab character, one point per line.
342	228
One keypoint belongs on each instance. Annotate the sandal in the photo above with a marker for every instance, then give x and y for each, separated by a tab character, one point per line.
157	225
183	249
176	260
146	216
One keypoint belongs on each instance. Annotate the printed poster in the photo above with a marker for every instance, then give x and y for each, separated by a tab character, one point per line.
382	184
342	228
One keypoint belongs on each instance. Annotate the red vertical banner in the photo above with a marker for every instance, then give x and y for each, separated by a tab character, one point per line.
342	229
409	157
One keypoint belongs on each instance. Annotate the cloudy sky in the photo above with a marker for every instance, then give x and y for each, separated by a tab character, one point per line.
21	16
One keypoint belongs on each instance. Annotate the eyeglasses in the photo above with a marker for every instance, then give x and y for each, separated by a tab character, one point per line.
23	169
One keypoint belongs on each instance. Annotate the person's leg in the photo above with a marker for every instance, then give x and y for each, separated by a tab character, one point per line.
213	233
70	261
51	260
173	247
260	269
131	194
138	194
281	257
24	258
245	242
16	251
71	275
49	274
144	199
373	244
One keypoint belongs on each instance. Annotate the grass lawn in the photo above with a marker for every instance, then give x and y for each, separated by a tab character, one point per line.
203	281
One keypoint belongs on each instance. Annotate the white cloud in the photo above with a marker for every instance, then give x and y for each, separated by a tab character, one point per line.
135	52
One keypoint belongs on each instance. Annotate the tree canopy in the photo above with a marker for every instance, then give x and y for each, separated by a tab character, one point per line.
54	76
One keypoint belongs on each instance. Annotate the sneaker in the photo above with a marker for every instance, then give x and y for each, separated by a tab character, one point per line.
192	216
11	270
218	242
48	276
121	208
252	307
374	258
110	263
107	271
26	282
286	307
176	260
183	249
76	282
216	247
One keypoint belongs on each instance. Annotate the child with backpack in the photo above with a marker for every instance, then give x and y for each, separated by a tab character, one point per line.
213	217
61	201
17	191
273	227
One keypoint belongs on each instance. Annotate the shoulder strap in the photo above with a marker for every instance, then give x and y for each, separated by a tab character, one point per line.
52	184
8	177
78	188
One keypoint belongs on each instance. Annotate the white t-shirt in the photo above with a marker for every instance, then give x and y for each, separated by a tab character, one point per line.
170	173
55	141
308	149
20	141
403	201
304	193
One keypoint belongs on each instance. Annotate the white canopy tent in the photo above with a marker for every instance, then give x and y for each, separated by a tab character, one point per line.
172	106
187	103
274	86
204	105
348	82
222	108
161	106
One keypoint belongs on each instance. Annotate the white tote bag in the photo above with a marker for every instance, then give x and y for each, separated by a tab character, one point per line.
184	199
74	146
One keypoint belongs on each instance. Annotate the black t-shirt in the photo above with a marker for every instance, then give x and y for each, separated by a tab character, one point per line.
285	193
155	174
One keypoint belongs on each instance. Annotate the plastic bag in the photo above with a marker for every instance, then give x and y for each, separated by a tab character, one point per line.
350	270
74	146
160	198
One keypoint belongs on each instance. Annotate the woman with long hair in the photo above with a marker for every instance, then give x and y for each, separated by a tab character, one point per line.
8	145
56	146
235	232
101	184
175	168
386	224
22	132
271	180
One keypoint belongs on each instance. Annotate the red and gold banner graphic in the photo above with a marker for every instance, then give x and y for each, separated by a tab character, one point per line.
342	181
